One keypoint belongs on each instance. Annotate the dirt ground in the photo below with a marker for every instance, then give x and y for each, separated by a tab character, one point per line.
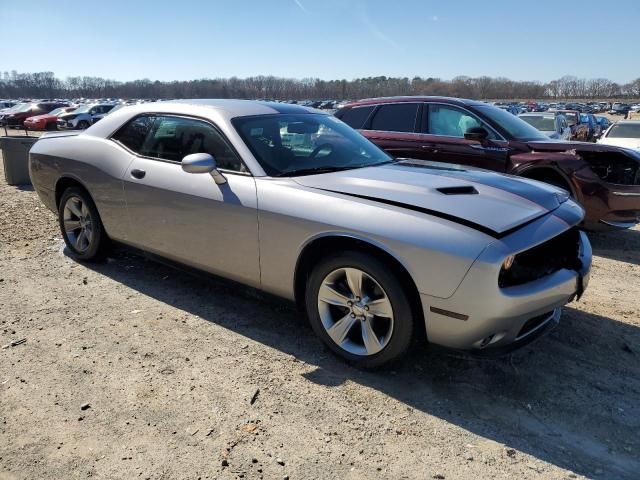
131	369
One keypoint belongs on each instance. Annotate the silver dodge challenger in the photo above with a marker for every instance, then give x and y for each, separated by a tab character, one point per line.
378	250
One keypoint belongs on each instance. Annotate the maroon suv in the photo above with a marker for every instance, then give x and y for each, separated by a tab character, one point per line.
604	179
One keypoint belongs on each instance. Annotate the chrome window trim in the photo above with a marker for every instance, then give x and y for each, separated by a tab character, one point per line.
248	173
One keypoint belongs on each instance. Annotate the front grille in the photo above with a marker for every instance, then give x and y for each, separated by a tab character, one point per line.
548	257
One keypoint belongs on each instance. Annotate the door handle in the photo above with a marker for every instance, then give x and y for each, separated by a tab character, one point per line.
136	173
429	148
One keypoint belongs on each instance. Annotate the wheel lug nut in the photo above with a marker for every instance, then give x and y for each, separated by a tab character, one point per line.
353	315
366	307
350	303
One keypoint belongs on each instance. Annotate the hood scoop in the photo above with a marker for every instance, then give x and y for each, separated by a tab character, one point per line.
462	190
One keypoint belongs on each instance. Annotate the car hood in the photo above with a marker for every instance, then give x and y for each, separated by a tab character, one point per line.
565	146
492	203
622	142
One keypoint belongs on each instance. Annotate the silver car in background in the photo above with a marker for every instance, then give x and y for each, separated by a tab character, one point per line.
84	116
553	125
294	202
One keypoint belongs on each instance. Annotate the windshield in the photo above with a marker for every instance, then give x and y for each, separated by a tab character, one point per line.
83	109
514	126
572	118
25	107
15	108
306	143
542	123
625	130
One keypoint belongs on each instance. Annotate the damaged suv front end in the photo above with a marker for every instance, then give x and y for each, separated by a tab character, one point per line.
610	183
604	179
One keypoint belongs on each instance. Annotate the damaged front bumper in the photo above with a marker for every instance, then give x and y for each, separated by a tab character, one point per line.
490	318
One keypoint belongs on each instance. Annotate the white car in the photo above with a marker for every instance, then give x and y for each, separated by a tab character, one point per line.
625	133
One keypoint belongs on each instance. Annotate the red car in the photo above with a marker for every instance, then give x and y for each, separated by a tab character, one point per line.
603	178
16	118
47	121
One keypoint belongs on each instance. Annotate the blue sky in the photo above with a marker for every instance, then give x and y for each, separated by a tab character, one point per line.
187	39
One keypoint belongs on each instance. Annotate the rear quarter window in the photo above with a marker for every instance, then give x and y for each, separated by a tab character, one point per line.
356	117
132	135
395	117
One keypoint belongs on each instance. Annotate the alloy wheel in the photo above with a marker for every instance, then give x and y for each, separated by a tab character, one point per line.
78	224
355	311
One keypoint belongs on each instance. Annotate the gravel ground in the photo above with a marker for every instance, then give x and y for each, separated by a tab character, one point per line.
131	369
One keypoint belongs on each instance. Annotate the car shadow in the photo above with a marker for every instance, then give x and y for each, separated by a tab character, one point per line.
570	399
620	245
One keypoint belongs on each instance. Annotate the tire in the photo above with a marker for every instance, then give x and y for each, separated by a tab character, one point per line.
51	126
335	312
87	241
83	125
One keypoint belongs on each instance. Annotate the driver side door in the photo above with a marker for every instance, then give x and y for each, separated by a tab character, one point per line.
183	216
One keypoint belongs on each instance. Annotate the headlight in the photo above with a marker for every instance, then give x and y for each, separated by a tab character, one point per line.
508	262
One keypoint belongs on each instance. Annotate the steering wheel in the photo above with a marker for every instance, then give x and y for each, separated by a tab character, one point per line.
319	148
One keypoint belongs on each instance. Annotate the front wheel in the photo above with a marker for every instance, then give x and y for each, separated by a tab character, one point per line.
81	226
83	125
359	309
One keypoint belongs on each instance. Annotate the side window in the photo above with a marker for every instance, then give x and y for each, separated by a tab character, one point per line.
395	117
451	121
134	133
356	117
173	138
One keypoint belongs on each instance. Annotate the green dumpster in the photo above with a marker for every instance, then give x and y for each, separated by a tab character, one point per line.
15	156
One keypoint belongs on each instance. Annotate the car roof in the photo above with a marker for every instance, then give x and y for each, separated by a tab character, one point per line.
405	99
217	110
241	108
628	122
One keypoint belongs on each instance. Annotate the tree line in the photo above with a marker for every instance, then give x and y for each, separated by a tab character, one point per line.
47	85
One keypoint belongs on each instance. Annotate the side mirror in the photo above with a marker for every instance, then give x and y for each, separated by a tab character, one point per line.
479	134
202	163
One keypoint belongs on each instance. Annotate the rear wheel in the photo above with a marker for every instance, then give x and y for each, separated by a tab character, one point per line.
51	126
357	306
83	125
80	225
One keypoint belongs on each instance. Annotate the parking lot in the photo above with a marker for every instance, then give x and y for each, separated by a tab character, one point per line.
133	369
